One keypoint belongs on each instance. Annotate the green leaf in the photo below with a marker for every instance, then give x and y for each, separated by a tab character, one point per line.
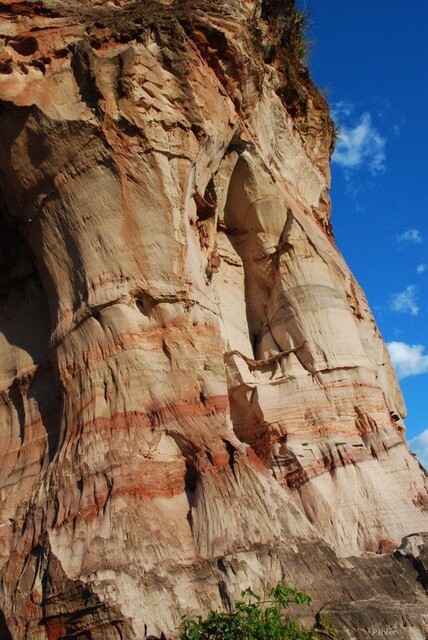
253	618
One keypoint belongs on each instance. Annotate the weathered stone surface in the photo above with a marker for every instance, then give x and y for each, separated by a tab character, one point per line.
194	394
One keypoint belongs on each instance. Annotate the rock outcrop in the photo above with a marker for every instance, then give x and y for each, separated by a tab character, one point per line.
194	394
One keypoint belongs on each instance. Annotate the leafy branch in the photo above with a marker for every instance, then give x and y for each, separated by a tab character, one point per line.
256	618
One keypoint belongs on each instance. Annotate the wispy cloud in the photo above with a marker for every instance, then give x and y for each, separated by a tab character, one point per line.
341	110
398	126
406	301
359	144
419	445
421	268
408	359
410	235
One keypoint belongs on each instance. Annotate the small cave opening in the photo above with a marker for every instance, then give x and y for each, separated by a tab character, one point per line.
144	302
206	206
190	476
5	633
24	46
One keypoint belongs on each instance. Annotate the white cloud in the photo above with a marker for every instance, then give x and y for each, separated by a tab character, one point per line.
360	144
421	268
398	126
342	109
408	359
406	301
419	445
411	235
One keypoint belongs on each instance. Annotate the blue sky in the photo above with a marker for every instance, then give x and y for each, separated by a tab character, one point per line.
371	60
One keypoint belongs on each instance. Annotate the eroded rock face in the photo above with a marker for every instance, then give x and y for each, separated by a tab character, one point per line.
194	394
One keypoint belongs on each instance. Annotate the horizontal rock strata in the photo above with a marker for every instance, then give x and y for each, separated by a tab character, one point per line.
194	395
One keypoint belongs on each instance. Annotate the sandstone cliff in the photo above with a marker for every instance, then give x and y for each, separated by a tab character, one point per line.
194	394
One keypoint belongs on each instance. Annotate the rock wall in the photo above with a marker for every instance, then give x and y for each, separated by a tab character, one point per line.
194	394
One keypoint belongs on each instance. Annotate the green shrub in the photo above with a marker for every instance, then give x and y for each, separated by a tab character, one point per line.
255	618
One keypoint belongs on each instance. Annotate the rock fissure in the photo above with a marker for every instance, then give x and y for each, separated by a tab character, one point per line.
253	364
